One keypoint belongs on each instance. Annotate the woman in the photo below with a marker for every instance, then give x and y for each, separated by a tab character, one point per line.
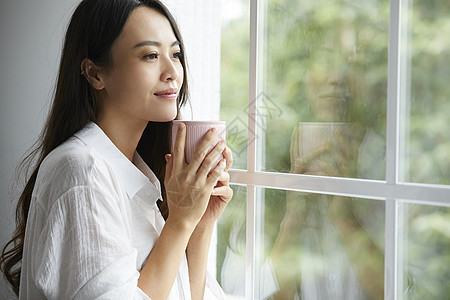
90	223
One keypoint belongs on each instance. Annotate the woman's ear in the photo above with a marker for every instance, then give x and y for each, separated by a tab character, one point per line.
92	74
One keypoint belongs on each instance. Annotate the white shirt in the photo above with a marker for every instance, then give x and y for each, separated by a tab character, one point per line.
93	221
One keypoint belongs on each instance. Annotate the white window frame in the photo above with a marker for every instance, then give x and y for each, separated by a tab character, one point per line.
392	190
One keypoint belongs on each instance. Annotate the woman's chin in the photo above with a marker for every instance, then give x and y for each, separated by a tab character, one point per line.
165	117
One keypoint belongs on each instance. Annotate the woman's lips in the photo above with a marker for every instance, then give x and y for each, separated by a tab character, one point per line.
169	93
335	95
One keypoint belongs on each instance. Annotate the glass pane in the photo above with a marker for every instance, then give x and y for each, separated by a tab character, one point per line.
320	247
234	77
231	229
426	92
426	252
324	85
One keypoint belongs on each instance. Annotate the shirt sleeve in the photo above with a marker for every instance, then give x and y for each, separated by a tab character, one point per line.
84	249
213	290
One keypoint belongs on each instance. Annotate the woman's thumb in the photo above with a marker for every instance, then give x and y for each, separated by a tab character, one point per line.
169	163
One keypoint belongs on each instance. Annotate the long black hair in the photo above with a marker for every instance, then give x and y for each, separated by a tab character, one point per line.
93	28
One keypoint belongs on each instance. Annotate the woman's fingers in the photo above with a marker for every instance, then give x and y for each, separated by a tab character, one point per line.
202	149
169	165
294	150
178	148
228	157
222	187
211	160
224	178
225	193
216	173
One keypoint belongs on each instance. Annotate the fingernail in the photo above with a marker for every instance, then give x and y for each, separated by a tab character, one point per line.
181	126
213	130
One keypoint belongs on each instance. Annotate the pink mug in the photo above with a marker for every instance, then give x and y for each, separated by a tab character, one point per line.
195	130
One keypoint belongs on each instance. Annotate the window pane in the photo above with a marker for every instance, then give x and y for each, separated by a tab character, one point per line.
234	77
231	229
322	100
426	92
426	252
320	247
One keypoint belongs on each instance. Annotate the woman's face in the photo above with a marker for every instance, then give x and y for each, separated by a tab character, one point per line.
328	86
146	73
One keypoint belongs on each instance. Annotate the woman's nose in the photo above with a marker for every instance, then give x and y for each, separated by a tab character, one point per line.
335	78
169	70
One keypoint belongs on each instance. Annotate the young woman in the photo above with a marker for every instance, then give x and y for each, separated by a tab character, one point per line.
109	212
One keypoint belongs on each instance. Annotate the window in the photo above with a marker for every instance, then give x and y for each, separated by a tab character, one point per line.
337	115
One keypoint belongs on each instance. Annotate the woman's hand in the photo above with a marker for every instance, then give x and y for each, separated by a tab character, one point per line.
189	186
220	195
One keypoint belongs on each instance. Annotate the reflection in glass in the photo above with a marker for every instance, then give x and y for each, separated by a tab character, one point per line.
321	247
426	92
231	245
426	252
325	67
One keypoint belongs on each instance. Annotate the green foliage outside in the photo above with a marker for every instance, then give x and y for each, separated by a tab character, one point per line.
428	145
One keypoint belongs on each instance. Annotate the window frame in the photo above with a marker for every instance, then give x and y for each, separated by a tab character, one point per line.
392	190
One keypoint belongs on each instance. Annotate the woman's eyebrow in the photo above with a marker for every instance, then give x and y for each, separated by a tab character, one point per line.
154	43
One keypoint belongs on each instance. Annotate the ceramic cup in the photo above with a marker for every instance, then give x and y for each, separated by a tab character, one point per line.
317	138
314	137
195	130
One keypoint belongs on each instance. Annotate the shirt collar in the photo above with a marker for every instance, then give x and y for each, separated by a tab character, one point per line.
133	175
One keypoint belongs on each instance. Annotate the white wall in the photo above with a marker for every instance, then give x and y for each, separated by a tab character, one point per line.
31	34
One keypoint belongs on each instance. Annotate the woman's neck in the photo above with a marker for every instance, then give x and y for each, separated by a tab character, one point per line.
125	135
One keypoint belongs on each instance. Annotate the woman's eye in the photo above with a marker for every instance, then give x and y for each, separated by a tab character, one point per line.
151	56
177	55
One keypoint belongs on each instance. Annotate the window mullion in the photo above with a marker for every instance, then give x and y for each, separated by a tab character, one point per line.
250	264
250	260
253	86
393	96
391	250
392	151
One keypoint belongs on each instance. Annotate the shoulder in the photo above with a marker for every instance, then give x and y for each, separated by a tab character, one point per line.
72	164
72	160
